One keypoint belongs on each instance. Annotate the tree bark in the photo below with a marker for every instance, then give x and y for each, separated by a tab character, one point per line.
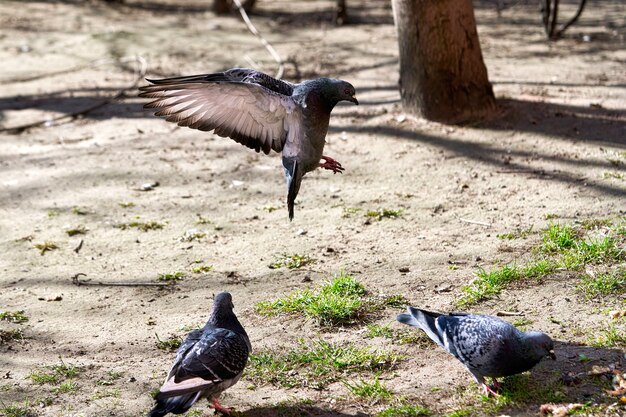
442	73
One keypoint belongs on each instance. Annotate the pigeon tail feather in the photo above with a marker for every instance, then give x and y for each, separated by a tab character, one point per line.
176	405
425	320
294	179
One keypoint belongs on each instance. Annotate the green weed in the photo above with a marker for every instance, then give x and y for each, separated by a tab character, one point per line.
203	269
13	410
316	364
612	335
41	377
603	284
7	336
339	301
170	344
517	234
399	337
127	204
13	316
46	246
405	410
294	261
143	226
171	277
78	230
372	391
67	386
384	213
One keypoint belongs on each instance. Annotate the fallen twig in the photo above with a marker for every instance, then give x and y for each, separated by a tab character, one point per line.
475	222
255	32
78	282
509	313
71	116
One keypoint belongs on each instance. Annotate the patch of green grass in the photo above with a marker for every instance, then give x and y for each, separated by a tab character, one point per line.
563	247
143	226
202	220
339	301
203	269
557	238
108	393
191	235
126	204
46	246
67	386
53	213
399	337
522	389
170	344
616	175
405	410
40	377
68	371
316	364
294	261
462	412
603	284
522	323
7	336
517	234
13	316
612	335
171	277
349	211
373	391
112	377
13	410
384	213
79	211
78	230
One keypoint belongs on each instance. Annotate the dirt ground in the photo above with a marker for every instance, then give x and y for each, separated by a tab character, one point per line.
556	148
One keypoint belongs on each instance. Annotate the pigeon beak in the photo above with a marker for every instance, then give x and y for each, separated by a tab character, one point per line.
354	100
552	355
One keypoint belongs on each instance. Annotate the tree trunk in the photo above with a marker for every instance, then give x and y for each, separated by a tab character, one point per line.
442	73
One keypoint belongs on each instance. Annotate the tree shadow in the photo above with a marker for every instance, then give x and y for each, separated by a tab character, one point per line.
580	374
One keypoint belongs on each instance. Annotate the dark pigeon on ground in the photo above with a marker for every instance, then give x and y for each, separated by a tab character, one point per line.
486	345
209	361
258	111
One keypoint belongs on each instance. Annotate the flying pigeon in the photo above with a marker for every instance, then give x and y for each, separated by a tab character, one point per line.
209	361
258	111
485	345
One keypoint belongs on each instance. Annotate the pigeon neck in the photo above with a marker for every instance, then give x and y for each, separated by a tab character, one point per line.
225	320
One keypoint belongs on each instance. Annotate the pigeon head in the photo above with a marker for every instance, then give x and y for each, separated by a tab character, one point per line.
540	345
333	91
222	308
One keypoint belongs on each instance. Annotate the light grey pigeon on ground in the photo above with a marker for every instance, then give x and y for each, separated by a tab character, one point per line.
258	111
486	345
209	361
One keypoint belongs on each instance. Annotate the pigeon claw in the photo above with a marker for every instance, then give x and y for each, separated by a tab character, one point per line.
332	165
220	408
489	391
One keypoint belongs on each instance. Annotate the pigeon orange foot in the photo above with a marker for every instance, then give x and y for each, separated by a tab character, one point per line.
492	390
332	165
220	408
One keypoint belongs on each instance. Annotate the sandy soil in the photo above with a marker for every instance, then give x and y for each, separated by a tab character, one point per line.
557	146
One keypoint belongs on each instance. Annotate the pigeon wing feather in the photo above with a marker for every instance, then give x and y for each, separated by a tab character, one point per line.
218	355
249	113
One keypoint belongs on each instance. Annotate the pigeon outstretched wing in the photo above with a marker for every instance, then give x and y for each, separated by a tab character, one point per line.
248	112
